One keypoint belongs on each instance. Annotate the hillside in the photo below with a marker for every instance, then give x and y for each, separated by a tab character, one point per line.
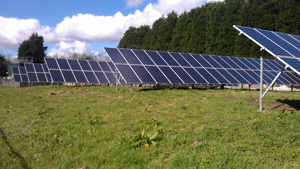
208	29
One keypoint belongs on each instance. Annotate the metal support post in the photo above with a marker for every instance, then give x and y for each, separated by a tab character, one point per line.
116	80
292	88
249	86
273	82
242	86
261	79
130	87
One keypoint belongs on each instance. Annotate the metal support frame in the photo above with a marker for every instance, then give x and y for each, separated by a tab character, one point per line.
130	87
292	88
262	95
116	79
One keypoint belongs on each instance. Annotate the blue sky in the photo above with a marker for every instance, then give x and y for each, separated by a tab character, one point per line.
80	26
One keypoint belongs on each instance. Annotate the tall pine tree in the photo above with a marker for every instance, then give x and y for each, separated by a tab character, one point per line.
32	49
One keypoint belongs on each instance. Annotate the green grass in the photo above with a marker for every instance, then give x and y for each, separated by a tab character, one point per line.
96	127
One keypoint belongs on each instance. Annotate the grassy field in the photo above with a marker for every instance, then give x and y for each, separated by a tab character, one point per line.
98	127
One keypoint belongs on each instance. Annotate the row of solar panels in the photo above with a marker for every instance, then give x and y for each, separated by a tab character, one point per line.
66	70
82	71
156	67
31	73
285	47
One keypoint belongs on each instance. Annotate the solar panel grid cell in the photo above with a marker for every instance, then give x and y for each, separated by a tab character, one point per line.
129	56
38	68
168	58
191	60
179	59
288	48
143	57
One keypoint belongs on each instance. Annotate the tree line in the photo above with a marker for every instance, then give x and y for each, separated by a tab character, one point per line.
208	29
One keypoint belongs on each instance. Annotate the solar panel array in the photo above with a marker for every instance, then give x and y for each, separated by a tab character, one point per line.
37	72
284	47
81	71
156	67
19	74
31	72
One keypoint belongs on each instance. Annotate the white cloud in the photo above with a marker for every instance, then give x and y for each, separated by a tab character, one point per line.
68	49
131	3
79	29
14	31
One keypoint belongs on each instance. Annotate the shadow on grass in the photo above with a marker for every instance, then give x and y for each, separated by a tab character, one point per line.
292	103
23	161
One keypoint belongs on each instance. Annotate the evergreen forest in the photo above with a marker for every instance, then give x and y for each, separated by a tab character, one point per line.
209	29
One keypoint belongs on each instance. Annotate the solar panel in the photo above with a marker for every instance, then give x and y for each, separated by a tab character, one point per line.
81	71
284	47
156	67
37	72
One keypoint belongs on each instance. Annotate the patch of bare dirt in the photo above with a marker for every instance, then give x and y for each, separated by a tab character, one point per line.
281	106
208	113
196	143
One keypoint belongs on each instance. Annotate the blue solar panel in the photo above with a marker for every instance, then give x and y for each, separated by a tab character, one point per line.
56	76
167	57
196	76
32	77
69	76
129	56
84	65
91	77
51	63
228	76
280	42
143	74
183	75
115	55
284	47
104	66
24	78
38	68
15	70
201	60
111	77
212	61
171	75
63	64
143	57
238	77
128	74
247	76
218	76
74	64
102	78
220	61
80	77
180	68
238	62
179	59
157	74
191	60
45	68
263	41
41	77
208	77
95	66
156	58
29	67
247	63
17	78
112	66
